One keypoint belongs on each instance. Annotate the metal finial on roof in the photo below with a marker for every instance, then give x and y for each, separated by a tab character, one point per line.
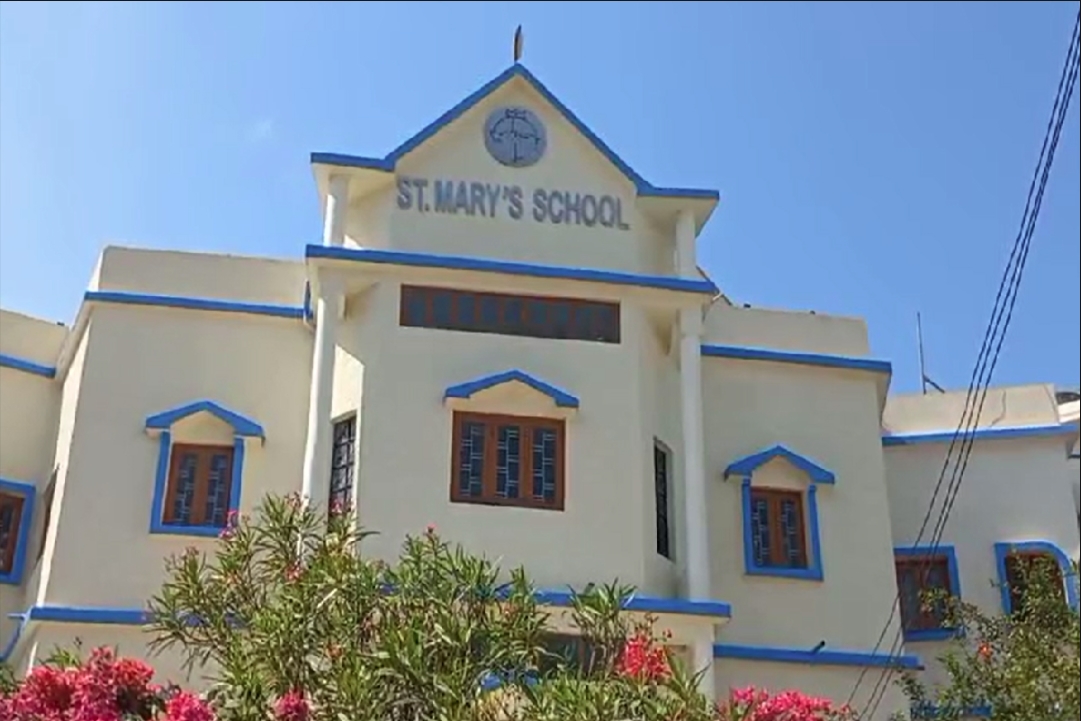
518	44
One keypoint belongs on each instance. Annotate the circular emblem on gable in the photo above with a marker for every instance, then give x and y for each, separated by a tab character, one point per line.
515	137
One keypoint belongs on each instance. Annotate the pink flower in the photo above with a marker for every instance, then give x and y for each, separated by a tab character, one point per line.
750	704
644	660
186	706
292	707
293	573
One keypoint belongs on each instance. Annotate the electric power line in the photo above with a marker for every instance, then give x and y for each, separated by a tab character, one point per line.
1001	317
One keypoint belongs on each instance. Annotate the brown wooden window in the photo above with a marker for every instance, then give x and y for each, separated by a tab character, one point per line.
777	530
662	492
531	316
507	460
11	516
921	580
200	486
1021	566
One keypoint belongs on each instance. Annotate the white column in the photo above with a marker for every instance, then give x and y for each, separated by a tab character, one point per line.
315	479
334	214
702	653
686	258
695	489
695	497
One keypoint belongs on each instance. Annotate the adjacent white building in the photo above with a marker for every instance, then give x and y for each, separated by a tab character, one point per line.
505	333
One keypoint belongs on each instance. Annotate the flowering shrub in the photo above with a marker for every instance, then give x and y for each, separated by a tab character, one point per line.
1020	666
750	704
104	688
286	621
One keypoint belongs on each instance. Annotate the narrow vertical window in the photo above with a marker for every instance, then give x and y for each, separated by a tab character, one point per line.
47	501
11	513
343	463
662	498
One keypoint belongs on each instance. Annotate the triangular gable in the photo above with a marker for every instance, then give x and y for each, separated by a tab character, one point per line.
387	164
559	397
241	425
747	465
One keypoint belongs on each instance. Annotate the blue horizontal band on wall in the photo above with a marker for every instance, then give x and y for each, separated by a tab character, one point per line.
532	270
931	711
26	366
980	434
824	657
820	360
139	617
208	304
560	397
647	604
388	163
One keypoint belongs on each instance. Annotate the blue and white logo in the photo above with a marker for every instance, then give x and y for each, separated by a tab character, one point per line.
515	137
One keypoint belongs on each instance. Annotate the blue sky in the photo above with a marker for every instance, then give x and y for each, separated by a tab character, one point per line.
873	159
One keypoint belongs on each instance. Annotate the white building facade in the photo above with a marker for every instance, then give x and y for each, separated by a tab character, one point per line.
505	333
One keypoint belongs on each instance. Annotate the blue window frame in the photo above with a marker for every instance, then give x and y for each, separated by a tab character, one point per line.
780	526
922	570
196	487
16	518
1008	558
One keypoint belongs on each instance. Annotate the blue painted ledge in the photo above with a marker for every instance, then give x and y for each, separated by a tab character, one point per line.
811	657
981	434
26	366
139	617
208	304
457	262
931	711
820	360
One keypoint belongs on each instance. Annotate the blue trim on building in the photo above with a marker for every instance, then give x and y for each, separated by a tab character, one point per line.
950	553
387	164
243	428
747	465
27	366
7	649
101	616
930	711
745	468
28	492
1069	576
560	397
484	265
646	604
820	360
139	617
980	434
208	304
859	659
241	425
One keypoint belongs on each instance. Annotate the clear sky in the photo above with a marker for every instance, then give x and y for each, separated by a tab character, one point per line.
873	159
